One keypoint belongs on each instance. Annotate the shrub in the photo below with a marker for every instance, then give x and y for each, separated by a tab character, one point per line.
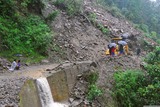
103	29
126	85
135	88
92	17
74	7
148	93
116	12
92	77
71	6
58	2
29	35
153	57
52	16
93	92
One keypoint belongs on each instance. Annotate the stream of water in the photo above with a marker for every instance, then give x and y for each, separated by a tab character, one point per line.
45	94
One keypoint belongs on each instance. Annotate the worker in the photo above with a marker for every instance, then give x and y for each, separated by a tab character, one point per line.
113	48
121	50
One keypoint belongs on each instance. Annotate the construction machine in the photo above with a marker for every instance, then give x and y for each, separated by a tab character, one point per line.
115	40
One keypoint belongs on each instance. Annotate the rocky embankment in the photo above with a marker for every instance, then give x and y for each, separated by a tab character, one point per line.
9	90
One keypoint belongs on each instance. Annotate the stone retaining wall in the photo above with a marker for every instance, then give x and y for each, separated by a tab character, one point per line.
61	82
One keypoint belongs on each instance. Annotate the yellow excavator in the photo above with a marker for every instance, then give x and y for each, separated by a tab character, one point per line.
115	40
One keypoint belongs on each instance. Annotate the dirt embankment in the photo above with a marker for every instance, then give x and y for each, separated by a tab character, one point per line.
77	39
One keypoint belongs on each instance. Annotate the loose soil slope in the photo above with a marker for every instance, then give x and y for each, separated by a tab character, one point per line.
81	40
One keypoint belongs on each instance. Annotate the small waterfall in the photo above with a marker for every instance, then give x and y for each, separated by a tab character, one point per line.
45	94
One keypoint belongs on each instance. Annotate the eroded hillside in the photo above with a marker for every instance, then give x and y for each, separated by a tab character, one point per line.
81	40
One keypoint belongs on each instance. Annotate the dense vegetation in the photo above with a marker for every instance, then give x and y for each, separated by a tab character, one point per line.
21	30
138	88
144	13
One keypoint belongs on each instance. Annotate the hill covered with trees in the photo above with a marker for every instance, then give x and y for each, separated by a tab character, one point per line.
144	13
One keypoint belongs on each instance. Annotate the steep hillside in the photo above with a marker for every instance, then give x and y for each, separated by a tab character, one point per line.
82	40
78	38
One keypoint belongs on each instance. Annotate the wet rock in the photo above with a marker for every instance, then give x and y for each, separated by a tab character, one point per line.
76	102
45	61
86	102
71	100
49	70
79	76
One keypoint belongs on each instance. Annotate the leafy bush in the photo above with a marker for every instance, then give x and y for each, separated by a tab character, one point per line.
116	12
153	57
52	16
29	35
57	2
126	85
93	92
21	32
144	28
158	41
103	29
74	7
135	88
71	6
92	18
92	77
148	93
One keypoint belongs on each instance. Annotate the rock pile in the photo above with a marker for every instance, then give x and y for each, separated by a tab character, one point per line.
4	63
9	90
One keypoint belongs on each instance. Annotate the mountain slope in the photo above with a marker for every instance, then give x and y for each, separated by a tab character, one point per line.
80	39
